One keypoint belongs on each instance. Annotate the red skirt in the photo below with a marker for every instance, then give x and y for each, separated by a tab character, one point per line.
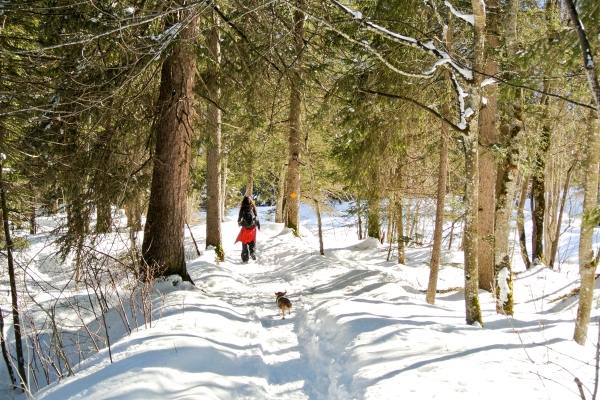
246	235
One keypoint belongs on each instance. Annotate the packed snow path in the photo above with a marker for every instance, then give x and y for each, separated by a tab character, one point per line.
359	329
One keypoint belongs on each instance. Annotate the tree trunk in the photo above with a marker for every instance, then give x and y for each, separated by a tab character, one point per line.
538	191
436	251
32	225
280	195
488	140
587	265
470	138
224	188
374	218
213	148
317	211
5	353
400	228
295	135
249	180
162	247
359	218
553	188
507	179
103	217
13	282
133	212
563	200
521	222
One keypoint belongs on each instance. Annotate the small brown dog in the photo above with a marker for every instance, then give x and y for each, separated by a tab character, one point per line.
282	302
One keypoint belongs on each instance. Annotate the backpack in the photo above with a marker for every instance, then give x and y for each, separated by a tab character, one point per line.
248	220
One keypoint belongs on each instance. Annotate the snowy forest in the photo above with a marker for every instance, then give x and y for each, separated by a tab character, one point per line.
425	158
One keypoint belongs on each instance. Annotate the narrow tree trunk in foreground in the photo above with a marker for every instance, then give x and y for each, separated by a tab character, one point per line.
436	250
470	139
13	283
587	265
162	247
507	179
5	353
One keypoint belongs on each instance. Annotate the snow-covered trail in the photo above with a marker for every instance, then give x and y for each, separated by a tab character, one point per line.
359	329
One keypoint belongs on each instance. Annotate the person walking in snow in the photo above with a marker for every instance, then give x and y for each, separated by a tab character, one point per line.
248	220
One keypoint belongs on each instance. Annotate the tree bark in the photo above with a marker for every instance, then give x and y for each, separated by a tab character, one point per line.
103	217
32	224
488	139
317	206
295	120
436	251
249	180
563	200
280	194
521	222
213	148
223	204
470	139
374	218
359	218
587	264
162	247
12	281
5	353
400	228
507	177
538	190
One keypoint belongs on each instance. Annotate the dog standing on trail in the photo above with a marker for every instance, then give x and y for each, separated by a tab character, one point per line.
283	303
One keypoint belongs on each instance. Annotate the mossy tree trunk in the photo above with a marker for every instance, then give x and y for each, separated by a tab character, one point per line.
507	178
470	139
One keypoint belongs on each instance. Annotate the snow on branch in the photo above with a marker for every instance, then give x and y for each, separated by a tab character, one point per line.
429	47
459	127
469	18
367	46
464	113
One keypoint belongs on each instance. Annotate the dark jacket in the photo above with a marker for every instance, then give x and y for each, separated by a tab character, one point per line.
253	212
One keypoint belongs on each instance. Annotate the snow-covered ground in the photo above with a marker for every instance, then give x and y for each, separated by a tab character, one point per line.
359	327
